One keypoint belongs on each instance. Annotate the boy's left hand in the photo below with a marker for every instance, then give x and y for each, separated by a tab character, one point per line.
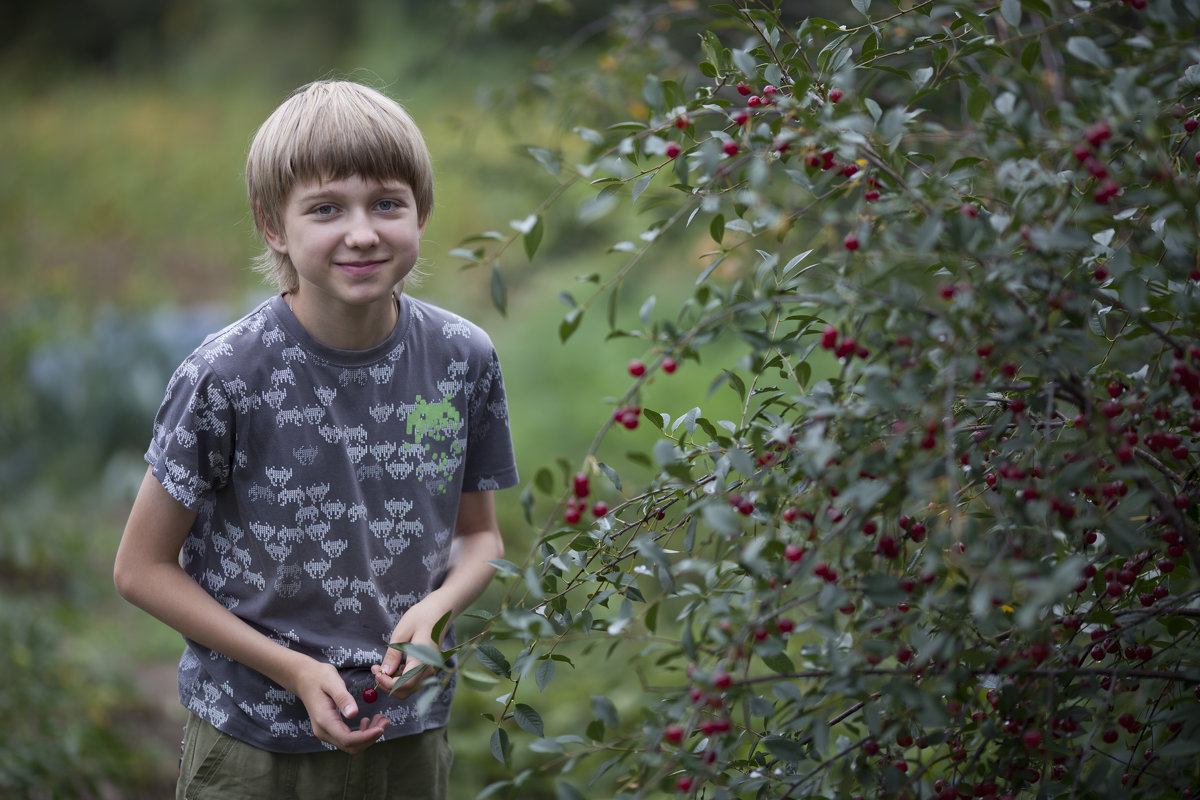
416	627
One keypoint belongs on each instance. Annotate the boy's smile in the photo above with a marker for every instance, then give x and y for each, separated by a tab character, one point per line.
351	241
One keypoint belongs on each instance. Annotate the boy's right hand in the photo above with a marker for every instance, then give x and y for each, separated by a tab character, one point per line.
330	704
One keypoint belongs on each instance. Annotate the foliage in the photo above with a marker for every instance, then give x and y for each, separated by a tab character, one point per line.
949	545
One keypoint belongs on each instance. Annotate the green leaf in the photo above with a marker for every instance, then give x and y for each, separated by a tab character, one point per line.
1031	54
504	567
493	660
640	185
499	291
501	747
652	92
605	711
549	161
545	673
609	473
977	102
533	239
1010	10
528	718
567	791
570	323
422	652
784	749
439	627
716	228
1085	49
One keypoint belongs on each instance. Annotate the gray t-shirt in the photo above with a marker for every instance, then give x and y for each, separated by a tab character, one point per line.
327	484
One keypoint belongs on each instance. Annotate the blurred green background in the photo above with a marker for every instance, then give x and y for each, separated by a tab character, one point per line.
124	238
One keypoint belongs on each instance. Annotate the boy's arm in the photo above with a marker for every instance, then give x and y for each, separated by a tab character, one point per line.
147	573
476	541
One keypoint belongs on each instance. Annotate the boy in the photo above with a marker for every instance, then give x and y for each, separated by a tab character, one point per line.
325	468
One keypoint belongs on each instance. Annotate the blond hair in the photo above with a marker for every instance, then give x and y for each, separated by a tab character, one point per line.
329	130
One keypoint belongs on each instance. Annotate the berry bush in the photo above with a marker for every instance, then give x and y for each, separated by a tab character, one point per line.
948	547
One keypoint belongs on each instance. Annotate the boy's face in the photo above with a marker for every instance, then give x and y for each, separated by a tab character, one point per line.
351	240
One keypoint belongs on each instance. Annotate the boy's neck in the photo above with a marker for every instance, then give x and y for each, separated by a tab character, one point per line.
349	328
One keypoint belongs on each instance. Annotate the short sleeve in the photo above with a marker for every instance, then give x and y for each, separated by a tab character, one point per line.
490	461
191	449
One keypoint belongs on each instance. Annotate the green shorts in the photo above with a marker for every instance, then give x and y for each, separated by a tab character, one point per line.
216	766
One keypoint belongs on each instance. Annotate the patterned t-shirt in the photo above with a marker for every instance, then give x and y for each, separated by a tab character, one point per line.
327	484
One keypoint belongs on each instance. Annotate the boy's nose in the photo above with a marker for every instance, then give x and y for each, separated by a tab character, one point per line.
361	233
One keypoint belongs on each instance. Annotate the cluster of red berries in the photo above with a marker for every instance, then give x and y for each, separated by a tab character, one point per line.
841	346
1087	154
577	502
627	416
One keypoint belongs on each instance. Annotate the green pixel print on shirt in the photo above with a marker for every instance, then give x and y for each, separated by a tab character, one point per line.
429	423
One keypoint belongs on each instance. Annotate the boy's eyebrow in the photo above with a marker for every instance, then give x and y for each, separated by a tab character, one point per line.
324	190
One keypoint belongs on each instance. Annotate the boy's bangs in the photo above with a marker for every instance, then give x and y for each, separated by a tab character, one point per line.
330	152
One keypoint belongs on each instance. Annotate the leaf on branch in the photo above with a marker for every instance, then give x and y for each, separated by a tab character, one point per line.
549	161
570	323
492	659
501	746
545	673
605	711
1010	10
611	474
499	292
533	238
528	719
784	749
1086	49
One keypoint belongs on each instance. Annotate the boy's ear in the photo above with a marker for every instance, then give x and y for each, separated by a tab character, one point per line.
275	241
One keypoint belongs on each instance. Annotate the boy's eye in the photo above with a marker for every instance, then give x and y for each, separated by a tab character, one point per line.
387	205
323	210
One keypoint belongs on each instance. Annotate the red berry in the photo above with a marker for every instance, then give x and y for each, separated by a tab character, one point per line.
1110	735
835	95
850	242
370	695
599	508
1097	133
683	783
744	89
741	118
669	365
871	195
682	121
730	148
1190	124
793	553
829	337
673	150
673	733
580	485
637	368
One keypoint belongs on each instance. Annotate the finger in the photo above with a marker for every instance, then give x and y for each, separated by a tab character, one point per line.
342	699
393	661
411	684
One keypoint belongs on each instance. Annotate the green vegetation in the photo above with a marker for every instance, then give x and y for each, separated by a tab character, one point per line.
915	515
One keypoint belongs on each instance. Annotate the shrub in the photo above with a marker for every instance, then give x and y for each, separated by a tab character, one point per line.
949	547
